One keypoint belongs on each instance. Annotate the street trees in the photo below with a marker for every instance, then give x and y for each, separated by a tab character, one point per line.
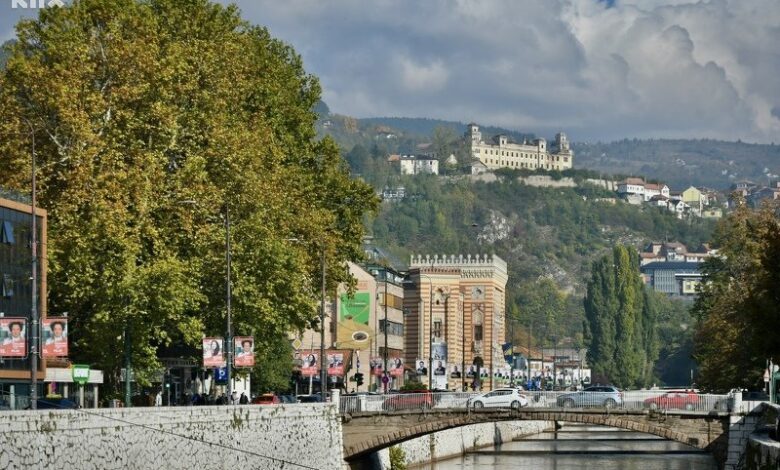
738	308
620	320
151	119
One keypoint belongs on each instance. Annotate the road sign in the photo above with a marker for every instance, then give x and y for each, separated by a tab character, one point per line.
296	344
80	373
220	375
385	379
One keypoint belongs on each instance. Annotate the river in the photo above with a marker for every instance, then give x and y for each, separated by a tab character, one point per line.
581	447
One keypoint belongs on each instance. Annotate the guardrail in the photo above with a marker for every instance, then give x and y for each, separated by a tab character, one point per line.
633	400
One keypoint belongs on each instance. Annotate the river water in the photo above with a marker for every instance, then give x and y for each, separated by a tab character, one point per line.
581	447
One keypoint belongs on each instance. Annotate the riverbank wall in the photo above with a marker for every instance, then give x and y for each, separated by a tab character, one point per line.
251	436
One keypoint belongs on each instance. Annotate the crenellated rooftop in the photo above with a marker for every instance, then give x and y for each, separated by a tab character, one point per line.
458	261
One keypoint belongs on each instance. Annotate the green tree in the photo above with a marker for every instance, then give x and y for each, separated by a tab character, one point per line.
621	317
151	119
738	309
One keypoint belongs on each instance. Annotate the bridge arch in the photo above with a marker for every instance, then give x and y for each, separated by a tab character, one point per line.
365	433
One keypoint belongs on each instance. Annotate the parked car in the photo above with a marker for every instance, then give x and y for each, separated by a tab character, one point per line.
409	400
288	399
673	400
499	398
266	399
605	396
56	404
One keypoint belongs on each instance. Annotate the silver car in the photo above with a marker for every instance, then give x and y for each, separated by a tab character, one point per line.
604	396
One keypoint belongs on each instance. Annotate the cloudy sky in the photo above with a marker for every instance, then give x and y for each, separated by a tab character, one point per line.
598	69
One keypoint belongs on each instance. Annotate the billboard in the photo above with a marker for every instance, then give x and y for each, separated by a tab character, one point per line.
377	365
13	340
395	366
335	364
309	364
354	314
55	337
213	352
244	351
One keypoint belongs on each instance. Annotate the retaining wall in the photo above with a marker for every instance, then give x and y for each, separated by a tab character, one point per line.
457	441
251	436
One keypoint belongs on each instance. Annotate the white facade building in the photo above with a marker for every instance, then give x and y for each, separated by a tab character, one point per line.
502	153
413	165
638	187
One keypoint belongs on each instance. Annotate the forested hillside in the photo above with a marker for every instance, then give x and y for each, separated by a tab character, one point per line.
548	236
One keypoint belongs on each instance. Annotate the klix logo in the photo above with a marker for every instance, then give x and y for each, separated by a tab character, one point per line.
31	4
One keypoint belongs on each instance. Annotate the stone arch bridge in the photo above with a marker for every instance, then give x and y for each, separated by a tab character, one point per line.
368	432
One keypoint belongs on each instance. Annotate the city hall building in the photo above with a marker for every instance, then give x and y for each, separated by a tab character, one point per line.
455	319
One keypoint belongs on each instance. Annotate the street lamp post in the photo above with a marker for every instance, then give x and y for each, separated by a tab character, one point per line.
323	368
34	354
228	294
430	330
384	369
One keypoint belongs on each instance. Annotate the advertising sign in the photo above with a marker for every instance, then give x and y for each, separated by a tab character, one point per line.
244	351
376	364
455	372
395	366
440	352
471	371
13	340
80	373
508	352
55	337
352	330
213	352
309	364
220	375
422	366
335	364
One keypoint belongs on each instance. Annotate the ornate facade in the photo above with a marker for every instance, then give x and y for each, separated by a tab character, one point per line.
457	304
503	153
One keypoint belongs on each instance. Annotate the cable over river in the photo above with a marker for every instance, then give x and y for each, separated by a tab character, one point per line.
578	447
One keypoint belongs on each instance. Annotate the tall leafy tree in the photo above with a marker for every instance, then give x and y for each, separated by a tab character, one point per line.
620	321
738	309
154	120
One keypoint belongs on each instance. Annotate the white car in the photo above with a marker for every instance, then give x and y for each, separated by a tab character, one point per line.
499	398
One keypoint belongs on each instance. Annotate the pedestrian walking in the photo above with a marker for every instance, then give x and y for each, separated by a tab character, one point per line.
244	399
158	399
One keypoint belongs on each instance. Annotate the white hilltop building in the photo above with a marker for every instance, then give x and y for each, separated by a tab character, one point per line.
503	153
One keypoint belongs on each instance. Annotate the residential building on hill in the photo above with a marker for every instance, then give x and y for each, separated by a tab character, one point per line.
417	165
672	269
501	152
638	187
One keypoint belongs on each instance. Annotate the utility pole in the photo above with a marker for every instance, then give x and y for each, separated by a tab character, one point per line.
128	364
34	354
323	366
384	370
229	334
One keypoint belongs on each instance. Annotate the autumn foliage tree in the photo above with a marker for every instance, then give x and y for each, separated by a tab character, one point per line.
152	119
738	308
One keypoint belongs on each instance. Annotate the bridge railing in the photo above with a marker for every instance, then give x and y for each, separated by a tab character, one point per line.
630	400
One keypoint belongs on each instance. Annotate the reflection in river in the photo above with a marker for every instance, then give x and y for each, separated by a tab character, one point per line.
578	447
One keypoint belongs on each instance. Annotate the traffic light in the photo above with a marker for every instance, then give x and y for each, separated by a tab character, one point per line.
359	379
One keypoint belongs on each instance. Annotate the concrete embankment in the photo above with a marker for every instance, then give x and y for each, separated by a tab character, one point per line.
252	436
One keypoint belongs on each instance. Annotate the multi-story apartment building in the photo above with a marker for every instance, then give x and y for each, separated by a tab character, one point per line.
388	341
500	152
455	318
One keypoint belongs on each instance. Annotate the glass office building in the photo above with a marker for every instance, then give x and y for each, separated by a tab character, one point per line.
16	298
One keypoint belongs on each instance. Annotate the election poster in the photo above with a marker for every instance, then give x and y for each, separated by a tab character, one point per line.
213	352
244	353
13	338
55	337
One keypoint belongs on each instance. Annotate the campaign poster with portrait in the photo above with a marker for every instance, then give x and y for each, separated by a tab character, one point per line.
13	338
421	366
439	374
55	337
395	366
471	371
440	352
213	352
244	351
377	365
455	372
336	364
310	364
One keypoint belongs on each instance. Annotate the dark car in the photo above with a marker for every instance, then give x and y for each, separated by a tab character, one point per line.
409	400
56	404
605	396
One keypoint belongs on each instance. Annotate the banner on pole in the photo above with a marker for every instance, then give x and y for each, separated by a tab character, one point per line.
244	351
213	352
13	338
55	337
